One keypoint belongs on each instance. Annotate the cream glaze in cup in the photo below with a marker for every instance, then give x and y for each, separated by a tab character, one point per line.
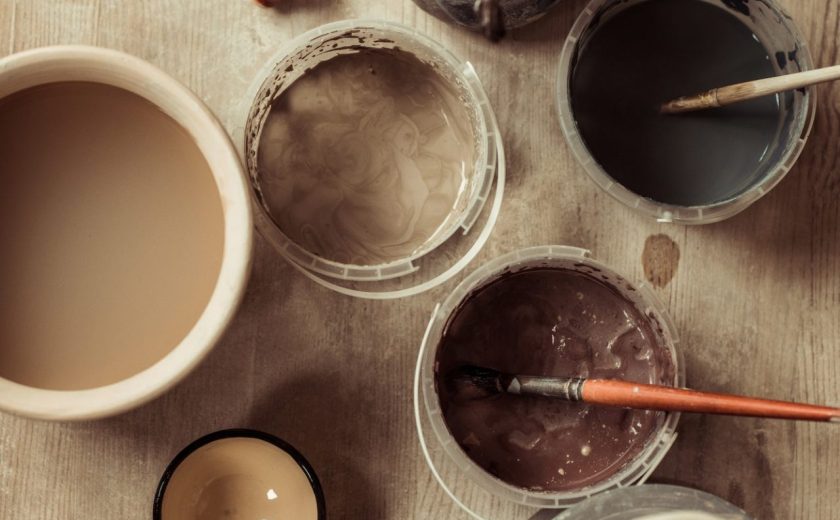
239	473
95	65
787	52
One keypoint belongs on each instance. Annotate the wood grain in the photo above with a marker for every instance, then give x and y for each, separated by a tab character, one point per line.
756	298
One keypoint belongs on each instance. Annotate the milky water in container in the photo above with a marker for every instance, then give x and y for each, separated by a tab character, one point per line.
470	222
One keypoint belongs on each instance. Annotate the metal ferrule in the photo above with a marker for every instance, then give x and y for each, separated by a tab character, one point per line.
568	388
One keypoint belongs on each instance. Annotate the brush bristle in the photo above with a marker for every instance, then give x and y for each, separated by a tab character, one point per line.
469	382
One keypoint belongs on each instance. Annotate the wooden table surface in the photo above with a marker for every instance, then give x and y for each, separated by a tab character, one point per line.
756	298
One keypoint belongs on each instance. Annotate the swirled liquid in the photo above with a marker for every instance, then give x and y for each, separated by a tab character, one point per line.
362	159
551	322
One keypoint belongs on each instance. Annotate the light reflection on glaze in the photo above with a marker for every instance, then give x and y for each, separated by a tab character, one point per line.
363	158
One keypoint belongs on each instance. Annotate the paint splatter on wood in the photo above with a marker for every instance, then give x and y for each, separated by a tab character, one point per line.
660	259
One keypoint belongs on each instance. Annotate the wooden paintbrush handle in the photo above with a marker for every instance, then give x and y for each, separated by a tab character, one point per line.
729	94
652	397
762	87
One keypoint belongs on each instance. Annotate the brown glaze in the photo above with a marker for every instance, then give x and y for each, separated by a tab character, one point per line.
660	259
239	478
558	322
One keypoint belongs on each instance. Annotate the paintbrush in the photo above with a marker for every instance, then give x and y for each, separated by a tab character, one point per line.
472	382
729	94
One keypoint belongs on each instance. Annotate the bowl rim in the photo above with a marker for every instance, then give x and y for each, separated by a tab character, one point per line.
86	63
305	466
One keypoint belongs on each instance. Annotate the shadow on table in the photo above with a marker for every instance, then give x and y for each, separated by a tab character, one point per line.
316	413
290	6
547	514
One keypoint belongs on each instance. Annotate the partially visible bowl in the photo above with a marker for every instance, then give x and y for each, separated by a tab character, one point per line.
90	64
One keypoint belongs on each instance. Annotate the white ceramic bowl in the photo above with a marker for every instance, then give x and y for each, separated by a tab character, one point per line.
79	63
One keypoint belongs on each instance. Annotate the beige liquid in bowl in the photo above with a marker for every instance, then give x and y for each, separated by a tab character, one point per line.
239	478
111	235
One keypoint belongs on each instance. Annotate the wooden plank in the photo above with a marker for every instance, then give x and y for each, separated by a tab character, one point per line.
755	298
8	13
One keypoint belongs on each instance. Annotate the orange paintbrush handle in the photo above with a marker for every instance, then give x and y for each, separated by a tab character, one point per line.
634	395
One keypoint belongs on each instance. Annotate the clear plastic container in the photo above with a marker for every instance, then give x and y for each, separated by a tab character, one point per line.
776	30
469	223
471	487
654	502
